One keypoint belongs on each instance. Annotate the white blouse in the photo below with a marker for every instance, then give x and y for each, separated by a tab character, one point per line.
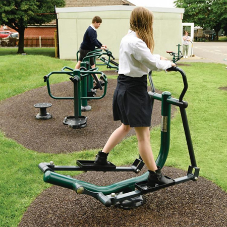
186	40
136	59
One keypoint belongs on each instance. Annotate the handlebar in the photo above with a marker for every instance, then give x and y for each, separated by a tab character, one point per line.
109	53
176	69
73	76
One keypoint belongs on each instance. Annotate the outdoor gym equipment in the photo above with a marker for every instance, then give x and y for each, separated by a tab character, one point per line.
79	79
98	54
109	62
128	193
176	57
85	65
43	115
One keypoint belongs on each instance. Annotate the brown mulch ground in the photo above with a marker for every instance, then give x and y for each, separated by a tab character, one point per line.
200	203
17	120
223	88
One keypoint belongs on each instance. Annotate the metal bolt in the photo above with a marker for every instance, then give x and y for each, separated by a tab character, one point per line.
80	190
51	163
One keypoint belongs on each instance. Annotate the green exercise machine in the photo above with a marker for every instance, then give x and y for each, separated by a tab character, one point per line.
128	194
79	79
176	56
99	54
83	85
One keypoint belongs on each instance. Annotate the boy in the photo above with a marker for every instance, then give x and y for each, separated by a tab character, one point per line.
89	43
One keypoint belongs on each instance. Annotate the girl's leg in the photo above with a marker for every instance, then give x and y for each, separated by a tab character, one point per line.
155	174
116	138
187	50
184	49
78	65
143	136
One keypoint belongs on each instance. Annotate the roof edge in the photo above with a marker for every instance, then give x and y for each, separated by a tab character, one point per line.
116	8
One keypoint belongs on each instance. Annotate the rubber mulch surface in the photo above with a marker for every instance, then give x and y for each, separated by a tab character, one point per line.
17	120
195	203
200	203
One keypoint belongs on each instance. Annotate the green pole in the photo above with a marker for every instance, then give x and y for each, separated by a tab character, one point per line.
165	130
84	86
178	49
69	182
77	93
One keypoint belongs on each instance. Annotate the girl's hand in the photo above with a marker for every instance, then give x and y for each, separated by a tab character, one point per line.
173	65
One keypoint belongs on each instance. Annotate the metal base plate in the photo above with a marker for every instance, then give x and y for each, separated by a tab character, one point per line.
46	117
130	203
75	123
145	188
89	165
85	108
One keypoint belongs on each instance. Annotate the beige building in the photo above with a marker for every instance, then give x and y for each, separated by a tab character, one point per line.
85	3
73	22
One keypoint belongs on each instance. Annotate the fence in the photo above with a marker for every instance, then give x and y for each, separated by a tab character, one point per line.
39	41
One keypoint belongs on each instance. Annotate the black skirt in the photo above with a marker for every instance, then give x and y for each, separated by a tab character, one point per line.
131	103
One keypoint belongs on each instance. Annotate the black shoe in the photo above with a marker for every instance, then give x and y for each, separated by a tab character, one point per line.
156	177
101	158
99	85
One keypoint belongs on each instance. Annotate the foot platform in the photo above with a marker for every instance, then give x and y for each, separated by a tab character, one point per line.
145	188
75	122
43	115
91	93
130	203
90	165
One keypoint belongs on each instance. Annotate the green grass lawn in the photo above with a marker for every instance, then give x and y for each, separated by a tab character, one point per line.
222	38
21	180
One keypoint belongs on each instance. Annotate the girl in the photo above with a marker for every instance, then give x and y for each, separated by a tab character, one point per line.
131	102
186	41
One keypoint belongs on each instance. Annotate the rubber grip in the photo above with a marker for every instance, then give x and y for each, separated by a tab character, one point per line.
44	167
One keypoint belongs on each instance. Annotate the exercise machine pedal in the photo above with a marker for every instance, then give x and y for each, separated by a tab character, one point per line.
130	203
137	165
144	187
91	93
90	165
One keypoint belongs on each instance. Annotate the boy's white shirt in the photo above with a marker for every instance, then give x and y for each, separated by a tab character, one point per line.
93	27
136	59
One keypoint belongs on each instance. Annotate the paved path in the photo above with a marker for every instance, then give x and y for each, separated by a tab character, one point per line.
208	52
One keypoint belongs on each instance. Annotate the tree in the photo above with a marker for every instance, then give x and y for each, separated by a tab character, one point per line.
205	13
18	14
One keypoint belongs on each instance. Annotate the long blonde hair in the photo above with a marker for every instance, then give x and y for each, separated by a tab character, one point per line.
141	22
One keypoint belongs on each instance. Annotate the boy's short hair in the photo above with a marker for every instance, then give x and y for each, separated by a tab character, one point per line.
97	19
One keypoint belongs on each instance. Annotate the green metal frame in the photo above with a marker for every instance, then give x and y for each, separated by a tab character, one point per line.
68	182
80	74
79	79
178	56
98	54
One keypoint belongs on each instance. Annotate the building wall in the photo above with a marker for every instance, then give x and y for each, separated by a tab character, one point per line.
73	22
85	3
